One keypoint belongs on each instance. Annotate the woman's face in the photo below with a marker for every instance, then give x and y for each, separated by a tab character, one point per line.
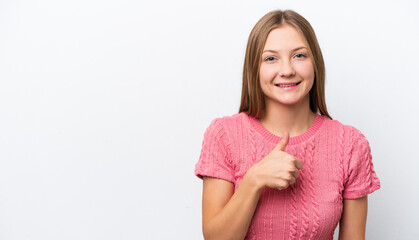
286	71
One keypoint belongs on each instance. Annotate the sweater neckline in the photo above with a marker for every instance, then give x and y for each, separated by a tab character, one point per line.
293	140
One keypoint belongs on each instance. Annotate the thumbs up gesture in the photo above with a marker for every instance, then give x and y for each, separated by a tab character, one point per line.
284	142
278	169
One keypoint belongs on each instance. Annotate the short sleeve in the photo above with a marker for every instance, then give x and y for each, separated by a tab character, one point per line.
215	158
361	177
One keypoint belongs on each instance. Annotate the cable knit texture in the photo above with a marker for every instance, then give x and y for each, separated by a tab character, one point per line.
337	165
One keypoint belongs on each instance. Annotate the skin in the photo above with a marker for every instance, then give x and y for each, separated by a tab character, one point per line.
227	214
285	59
354	219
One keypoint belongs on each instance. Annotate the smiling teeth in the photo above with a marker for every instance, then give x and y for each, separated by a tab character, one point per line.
286	85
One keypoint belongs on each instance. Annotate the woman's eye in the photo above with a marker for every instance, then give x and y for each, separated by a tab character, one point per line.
269	59
300	55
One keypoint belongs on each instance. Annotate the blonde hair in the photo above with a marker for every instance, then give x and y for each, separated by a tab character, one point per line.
252	100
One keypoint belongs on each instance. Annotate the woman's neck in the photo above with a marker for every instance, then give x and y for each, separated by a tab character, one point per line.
295	119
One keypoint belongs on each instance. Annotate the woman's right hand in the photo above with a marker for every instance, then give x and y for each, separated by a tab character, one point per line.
278	169
227	214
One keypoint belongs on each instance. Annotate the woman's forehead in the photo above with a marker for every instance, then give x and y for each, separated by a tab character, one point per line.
284	38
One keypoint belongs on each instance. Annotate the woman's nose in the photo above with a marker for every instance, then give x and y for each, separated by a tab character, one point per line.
286	69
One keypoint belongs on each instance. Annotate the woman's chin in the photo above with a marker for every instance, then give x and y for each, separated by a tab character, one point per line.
289	101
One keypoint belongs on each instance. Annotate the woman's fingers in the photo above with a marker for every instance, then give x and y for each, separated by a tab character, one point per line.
282	184
280	168
298	164
292	174
285	183
292	181
295	173
284	142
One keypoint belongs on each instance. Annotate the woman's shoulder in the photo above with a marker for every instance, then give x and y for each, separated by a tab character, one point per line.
231	125
350	132
231	121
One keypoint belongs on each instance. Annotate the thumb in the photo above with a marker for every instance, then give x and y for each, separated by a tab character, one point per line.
284	141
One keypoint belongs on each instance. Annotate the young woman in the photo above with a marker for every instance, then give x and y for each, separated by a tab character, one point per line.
281	168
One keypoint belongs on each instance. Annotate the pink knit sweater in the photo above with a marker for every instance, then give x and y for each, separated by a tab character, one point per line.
337	164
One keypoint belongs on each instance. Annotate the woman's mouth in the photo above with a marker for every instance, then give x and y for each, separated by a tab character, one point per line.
283	85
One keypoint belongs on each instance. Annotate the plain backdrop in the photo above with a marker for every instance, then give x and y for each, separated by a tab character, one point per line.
103	107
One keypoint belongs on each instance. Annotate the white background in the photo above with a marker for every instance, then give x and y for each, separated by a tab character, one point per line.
103	107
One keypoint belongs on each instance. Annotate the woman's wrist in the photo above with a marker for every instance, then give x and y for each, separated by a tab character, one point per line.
252	180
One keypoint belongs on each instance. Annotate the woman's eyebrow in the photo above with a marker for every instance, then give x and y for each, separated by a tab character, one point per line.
293	50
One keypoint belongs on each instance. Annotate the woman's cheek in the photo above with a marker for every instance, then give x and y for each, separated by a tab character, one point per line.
267	72
305	69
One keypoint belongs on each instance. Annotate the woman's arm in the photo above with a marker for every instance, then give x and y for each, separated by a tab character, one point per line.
226	215
354	219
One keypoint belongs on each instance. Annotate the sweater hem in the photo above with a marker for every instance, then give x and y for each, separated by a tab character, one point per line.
360	194
219	175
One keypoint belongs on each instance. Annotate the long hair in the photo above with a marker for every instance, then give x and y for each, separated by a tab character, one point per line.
253	100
